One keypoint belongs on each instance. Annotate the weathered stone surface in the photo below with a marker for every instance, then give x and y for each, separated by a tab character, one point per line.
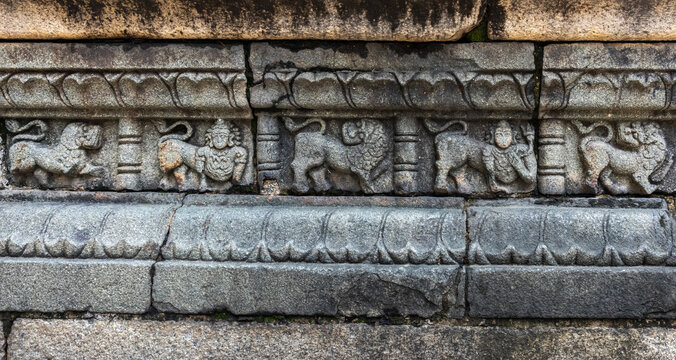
570	232
202	155
582	20
84	225
2	344
502	291
370	117
602	103
58	285
318	229
104	339
462	78
308	289
401	20
86	81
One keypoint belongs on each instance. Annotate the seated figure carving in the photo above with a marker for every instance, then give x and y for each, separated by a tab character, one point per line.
69	157
222	159
503	162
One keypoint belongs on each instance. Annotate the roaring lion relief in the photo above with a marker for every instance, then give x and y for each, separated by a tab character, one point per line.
639	155
69	157
360	150
503	161
222	160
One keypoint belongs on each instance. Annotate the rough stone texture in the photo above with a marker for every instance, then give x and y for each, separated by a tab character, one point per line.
85	225
369	117
318	229
582	20
103	339
309	289
394	20
58	285
502	291
2	344
570	232
602	103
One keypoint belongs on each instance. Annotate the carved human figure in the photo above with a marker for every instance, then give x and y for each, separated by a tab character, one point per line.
507	162
69	157
222	159
639	153
502	161
360	150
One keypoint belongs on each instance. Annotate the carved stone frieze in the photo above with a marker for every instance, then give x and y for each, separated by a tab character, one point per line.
84	225
606	124
393	118
108	80
319	229
202	155
603	232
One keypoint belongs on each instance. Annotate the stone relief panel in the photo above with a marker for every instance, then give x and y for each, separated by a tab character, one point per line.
595	157
607	111
319	154
171	155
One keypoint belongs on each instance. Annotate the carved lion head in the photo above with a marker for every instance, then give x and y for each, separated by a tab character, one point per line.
80	135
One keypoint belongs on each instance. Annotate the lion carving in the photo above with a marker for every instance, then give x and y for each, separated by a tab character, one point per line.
639	154
503	161
222	160
360	150
69	157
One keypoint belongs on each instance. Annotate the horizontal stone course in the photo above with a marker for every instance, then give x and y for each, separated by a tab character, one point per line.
502	291
308	289
570	232
319	229
582	20
60	285
401	20
111	339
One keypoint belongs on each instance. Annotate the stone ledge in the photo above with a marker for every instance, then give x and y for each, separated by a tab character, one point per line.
396	20
59	285
109	339
308	289
501	291
582	20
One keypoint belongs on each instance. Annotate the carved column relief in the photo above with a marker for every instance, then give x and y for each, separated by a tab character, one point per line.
129	155
552	162
406	155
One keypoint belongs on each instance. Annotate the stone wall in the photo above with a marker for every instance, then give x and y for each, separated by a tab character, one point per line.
232	195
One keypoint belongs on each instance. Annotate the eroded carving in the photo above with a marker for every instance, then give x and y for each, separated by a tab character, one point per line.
638	156
220	163
360	150
503	160
69	157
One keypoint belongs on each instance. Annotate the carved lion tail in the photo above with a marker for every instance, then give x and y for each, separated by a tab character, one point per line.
168	131
14	127
661	171
293	127
434	128
585	130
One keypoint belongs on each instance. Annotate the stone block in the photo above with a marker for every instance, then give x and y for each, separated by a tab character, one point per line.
383	230
136	339
59	285
502	291
395	118
308	289
84	225
608	111
582	20
396	20
570	232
